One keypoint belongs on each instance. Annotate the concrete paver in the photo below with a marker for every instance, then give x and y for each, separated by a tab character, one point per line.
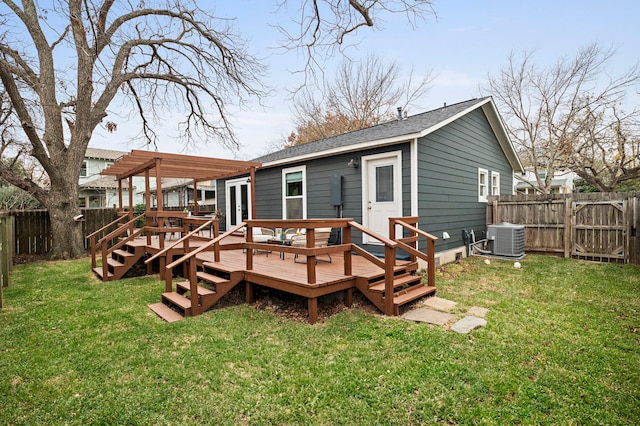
440	304
429	316
467	324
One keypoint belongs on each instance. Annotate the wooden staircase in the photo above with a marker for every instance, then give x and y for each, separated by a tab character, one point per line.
120	262
407	287
212	284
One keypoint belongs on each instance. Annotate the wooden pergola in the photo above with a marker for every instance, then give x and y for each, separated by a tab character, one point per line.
164	165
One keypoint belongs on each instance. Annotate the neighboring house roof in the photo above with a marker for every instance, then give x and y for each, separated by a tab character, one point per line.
396	131
105	182
171	183
103	154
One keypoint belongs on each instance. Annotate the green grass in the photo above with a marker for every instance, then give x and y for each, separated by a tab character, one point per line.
562	346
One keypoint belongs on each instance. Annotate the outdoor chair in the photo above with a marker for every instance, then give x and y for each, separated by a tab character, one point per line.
262	235
321	236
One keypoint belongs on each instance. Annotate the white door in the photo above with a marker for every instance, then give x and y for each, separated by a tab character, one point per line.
238	201
382	195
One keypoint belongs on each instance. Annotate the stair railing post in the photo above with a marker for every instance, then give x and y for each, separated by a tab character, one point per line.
105	266
93	251
431	269
193	287
216	247
310	239
168	280
346	239
249	251
389	267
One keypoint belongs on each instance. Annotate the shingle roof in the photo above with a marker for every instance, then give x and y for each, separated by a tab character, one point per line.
103	154
392	129
105	182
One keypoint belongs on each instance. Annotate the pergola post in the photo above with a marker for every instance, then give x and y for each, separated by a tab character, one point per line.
120	195
130	197
195	197
252	174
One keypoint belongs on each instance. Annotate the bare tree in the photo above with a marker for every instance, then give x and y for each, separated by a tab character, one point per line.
545	108
322	26
361	94
63	65
173	54
606	148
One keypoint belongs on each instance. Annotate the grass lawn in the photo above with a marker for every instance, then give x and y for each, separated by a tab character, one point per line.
562	346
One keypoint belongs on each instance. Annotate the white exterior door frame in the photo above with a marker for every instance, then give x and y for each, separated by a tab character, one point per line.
237	191
379	204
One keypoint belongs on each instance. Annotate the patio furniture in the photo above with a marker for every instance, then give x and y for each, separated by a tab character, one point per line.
321	237
262	235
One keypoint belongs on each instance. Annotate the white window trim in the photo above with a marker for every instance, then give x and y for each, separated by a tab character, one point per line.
483	172
302	169
85	166
495	189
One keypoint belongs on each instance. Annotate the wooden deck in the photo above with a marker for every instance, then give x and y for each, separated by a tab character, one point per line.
213	266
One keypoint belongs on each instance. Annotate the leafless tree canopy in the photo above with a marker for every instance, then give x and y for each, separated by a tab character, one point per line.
322	26
64	62
361	94
606	148
550	111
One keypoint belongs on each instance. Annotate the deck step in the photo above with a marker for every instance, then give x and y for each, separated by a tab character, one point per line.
413	294
186	286
398	281
165	312
178	300
114	263
98	272
123	253
214	279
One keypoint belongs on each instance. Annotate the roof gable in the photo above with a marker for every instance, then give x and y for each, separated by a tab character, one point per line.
395	131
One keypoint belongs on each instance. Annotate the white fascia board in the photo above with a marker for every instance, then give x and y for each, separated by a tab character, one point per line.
343	150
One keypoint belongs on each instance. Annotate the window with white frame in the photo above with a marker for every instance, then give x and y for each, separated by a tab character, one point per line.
294	203
483	185
83	169
495	183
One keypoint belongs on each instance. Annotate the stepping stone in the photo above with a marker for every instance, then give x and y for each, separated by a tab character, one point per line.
468	323
477	311
429	316
440	304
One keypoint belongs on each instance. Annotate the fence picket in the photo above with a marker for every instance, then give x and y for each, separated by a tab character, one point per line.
599	226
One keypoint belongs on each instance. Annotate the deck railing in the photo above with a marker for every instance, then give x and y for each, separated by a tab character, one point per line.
310	252
92	238
204	224
192	265
410	244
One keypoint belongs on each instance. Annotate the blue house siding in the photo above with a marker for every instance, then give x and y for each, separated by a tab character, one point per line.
319	173
454	142
449	159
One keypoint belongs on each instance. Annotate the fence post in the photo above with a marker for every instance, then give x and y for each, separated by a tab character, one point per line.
568	228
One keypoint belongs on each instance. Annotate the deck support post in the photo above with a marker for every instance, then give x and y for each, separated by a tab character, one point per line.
348	297
313	310
248	293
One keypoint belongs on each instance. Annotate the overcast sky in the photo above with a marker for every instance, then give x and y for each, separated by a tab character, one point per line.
469	39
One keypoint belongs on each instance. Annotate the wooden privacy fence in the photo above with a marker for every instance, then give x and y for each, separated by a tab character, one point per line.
596	226
33	228
7	224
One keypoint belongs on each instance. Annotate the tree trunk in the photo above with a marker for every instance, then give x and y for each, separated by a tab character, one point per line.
66	232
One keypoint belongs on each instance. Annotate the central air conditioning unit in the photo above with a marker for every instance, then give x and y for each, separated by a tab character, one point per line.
506	239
